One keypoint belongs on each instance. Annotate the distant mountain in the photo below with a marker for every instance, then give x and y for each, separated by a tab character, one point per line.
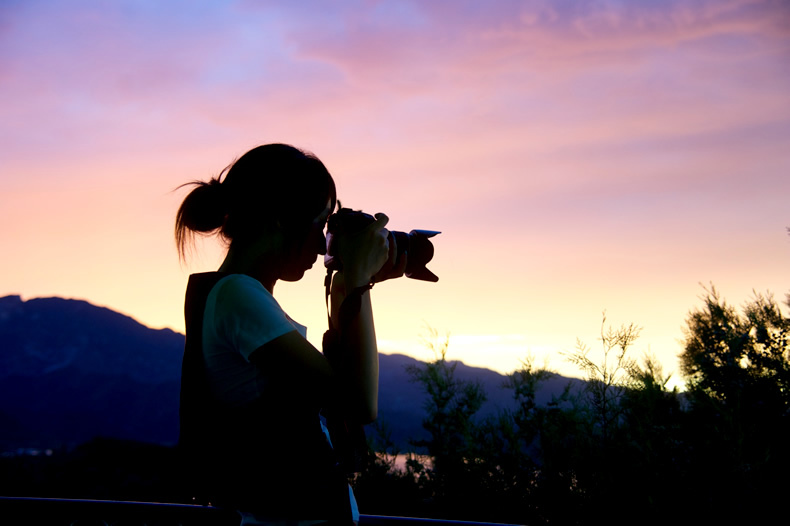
71	371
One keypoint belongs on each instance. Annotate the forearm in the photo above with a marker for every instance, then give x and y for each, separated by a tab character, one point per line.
359	362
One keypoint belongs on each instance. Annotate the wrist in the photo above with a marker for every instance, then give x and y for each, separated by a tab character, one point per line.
346	299
354	280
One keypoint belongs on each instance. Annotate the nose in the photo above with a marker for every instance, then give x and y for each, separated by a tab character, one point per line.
322	245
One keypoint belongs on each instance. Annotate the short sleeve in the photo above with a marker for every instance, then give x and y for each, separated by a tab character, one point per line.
246	315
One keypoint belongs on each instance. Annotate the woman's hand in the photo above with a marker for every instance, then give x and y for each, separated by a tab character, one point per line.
394	267
366	253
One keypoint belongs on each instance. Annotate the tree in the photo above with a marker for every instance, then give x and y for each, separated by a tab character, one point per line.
652	454
737	366
608	379
450	406
627	435
548	446
731	357
450	409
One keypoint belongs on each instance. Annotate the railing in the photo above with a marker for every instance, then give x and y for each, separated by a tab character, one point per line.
73	512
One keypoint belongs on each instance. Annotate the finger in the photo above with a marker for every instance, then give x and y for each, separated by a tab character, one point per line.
381	220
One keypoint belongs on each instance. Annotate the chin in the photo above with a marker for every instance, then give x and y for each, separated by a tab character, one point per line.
293	276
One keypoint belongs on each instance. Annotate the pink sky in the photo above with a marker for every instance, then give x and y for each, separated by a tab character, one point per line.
577	156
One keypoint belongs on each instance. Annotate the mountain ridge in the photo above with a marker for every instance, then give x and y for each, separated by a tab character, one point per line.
71	371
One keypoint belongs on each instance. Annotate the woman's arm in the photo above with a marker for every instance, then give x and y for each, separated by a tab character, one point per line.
357	362
363	254
300	370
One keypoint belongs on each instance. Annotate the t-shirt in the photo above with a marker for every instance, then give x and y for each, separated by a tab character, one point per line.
240	316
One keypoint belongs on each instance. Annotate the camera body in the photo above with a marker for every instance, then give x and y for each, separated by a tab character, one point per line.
414	246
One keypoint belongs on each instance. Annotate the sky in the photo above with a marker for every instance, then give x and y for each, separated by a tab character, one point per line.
579	157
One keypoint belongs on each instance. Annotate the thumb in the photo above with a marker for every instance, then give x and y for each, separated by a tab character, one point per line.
381	221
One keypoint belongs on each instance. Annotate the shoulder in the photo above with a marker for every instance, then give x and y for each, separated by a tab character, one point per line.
240	303
244	315
240	282
238	292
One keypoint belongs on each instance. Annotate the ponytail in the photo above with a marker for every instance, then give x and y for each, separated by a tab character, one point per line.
204	210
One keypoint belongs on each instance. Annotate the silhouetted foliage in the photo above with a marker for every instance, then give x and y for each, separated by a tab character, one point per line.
624	445
728	355
738	368
608	379
453	446
551	441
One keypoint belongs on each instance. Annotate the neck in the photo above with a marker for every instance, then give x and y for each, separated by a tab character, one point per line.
252	263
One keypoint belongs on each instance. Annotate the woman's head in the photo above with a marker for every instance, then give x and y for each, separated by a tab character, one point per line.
274	186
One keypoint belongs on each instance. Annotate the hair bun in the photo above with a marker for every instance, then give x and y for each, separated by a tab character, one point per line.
205	208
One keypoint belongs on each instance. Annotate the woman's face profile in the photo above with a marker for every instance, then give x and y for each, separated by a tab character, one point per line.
300	254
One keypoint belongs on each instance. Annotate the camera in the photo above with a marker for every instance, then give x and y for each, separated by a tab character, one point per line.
414	246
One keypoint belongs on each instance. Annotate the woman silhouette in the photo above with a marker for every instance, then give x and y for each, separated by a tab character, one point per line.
252	385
